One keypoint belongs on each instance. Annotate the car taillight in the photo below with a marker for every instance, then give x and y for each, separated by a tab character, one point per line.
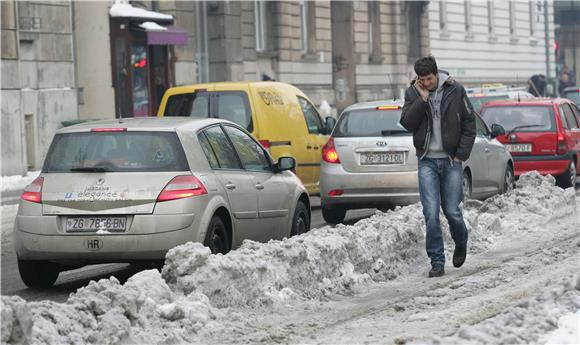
109	130
265	144
329	153
180	187
33	191
562	146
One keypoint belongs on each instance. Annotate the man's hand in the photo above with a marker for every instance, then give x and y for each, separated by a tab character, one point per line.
423	92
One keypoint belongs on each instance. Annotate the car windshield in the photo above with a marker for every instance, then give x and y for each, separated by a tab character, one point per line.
115	152
479	101
510	117
369	123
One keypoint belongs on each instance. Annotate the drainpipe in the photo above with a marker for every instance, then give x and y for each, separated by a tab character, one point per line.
547	39
74	54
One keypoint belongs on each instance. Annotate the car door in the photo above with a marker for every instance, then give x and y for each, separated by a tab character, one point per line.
496	161
573	133
237	184
479	161
274	194
316	138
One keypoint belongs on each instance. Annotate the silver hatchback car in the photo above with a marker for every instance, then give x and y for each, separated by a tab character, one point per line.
370	161
129	191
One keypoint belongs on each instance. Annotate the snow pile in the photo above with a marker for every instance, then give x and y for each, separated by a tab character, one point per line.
198	290
529	321
125	10
151	26
17	182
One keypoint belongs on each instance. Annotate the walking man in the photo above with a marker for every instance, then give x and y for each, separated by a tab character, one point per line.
442	120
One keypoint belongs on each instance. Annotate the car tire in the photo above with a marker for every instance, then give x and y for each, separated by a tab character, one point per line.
508	181
301	220
216	238
467	186
333	215
568	179
38	274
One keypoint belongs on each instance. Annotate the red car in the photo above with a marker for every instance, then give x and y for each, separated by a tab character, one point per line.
542	134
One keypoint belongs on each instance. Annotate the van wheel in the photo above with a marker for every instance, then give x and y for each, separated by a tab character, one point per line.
508	183
301	220
466	185
38	274
568	179
216	237
333	215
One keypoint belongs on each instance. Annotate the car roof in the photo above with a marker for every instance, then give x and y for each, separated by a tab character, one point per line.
162	124
537	101
374	104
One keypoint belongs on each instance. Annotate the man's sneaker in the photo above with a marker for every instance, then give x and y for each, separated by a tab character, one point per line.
459	256
437	270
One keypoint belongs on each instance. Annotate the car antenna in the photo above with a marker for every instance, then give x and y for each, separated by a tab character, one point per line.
392	86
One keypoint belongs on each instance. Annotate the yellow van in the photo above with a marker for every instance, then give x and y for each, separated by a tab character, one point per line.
279	115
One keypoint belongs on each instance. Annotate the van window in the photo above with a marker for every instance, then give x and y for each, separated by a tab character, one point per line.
509	117
234	106
189	104
115	152
229	105
313	121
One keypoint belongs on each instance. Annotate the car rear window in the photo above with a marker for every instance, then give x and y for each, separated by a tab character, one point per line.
115	152
478	102
229	105
369	123
509	117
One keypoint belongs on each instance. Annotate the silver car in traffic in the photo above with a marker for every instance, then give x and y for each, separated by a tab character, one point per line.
129	191
370	161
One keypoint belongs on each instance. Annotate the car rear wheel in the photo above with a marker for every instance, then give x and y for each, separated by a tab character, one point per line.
568	179
508	183
217	238
466	185
38	274
301	220
333	214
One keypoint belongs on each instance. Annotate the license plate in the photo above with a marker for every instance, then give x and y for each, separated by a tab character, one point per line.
93	224
370	158
519	147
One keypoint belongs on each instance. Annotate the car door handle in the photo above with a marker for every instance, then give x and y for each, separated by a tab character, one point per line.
230	186
486	150
316	147
309	147
259	186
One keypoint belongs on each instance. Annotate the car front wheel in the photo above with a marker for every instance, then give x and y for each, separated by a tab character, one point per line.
301	220
466	186
508	183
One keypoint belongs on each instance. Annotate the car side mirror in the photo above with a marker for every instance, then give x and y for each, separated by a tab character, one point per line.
286	163
497	130
330	123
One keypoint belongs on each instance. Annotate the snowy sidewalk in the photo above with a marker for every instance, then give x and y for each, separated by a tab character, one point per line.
349	284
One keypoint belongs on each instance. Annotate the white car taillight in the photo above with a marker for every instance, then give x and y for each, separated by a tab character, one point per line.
180	187
33	192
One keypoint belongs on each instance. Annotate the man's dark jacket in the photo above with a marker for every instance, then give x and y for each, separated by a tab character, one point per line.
457	120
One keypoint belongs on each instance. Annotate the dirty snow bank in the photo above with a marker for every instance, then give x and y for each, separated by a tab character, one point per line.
17	182
197	290
532	321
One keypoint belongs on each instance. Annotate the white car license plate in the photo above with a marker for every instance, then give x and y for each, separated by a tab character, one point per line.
519	147
370	158
93	224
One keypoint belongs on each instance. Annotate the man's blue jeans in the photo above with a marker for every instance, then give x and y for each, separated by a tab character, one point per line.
441	185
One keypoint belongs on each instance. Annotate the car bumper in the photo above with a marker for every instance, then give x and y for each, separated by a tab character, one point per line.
149	237
552	165
368	189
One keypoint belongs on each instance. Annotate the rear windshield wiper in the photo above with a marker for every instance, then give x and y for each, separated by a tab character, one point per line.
386	132
520	127
90	169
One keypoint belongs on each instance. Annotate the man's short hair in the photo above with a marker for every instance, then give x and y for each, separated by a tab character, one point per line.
425	66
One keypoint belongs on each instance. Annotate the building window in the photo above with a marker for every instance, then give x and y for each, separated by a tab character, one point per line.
443	16
260	24
414	15
513	22
490	19
468	20
307	21
374	13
